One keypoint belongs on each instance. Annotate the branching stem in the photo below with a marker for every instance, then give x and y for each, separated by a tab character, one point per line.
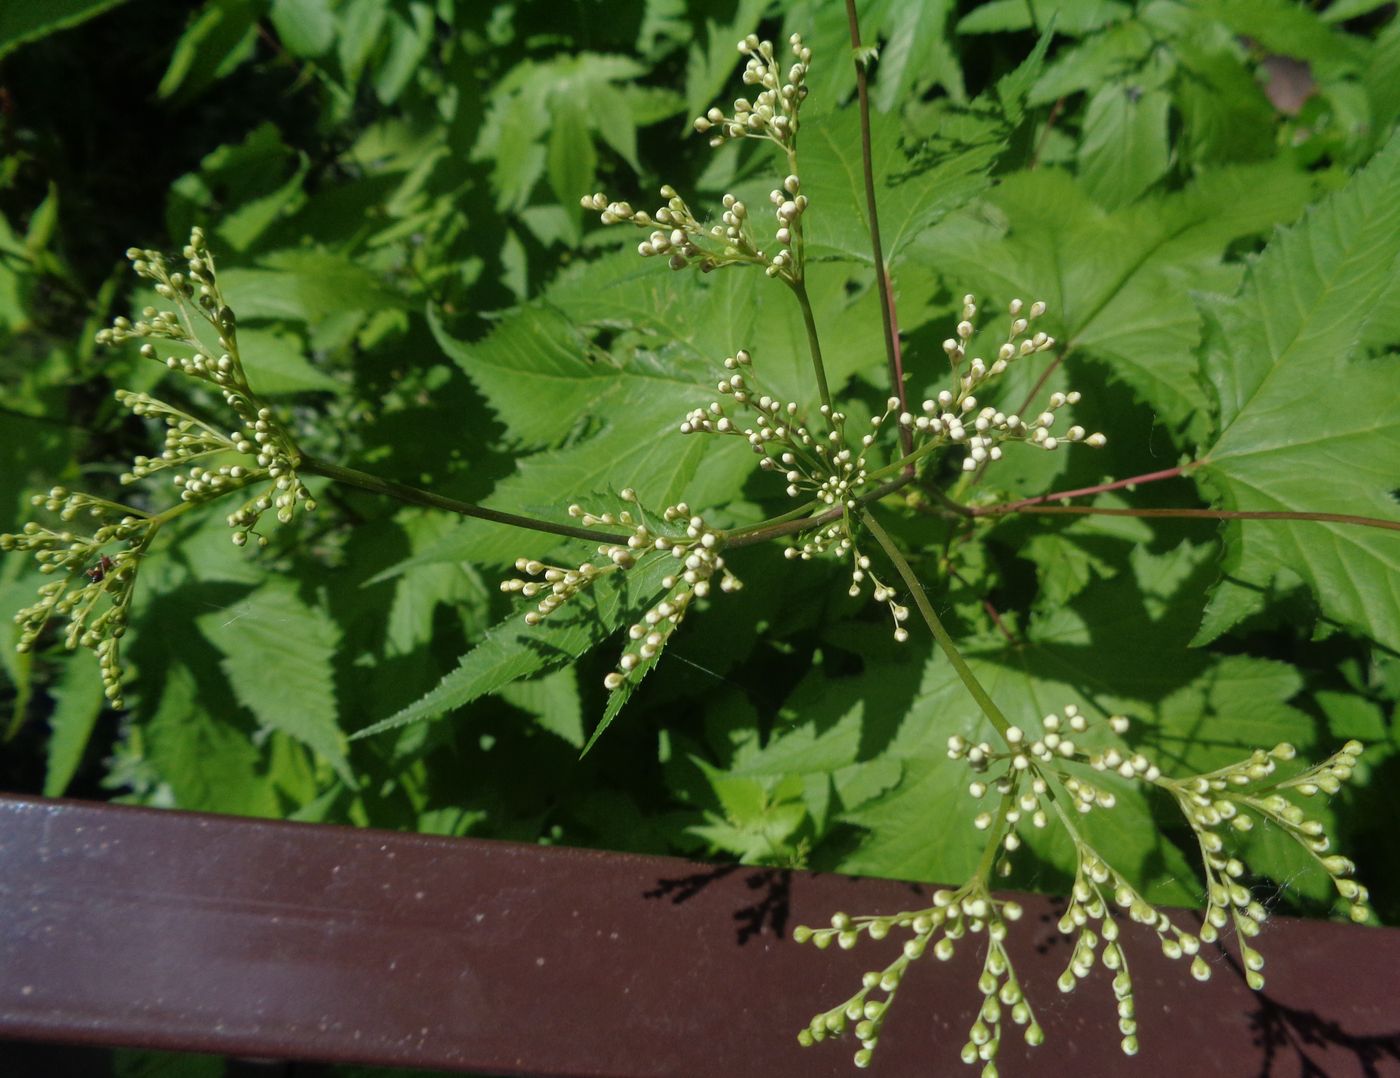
945	641
416	496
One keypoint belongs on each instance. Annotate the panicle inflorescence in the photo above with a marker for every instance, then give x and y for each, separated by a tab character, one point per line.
955	416
93	581
681	539
196	452
1234	798
273	457
1035	779
682	239
774	113
953	916
823	467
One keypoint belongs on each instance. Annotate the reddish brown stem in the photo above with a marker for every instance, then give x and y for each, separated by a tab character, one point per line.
882	277
1050	369
990	610
1117	484
1204	514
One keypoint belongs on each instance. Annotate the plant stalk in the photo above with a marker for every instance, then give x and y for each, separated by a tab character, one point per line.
882	277
426	498
945	641
799	289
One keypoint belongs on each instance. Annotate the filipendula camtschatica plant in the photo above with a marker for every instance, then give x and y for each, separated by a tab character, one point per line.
1042	777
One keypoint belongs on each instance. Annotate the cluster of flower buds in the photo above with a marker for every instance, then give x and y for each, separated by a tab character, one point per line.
194	289
823	466
812	464
683	241
697	560
93	584
1089	918
675	231
788	206
1239	794
195	292
681	538
678	236
954	915
955	416
773	114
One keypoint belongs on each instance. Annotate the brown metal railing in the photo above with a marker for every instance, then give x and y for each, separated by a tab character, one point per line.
133	927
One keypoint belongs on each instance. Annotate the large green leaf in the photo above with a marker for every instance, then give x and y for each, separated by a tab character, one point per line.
278	655
1118	284
912	190
1124	149
610	362
1303	425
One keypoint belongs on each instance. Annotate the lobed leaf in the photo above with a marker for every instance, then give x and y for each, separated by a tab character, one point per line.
1305	425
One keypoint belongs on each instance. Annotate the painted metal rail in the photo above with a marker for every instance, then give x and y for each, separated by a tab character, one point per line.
133	927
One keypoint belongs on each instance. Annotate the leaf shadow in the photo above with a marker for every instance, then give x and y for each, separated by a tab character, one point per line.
771	907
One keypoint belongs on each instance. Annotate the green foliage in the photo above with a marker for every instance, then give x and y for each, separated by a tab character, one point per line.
1283	356
392	188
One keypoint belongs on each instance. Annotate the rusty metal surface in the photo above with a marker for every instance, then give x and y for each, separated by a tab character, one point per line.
134	927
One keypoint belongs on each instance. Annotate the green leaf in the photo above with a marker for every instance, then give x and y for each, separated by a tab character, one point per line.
917	51
276	363
571	159
305	27
1074	17
1092	62
552	99
912	190
1118	283
1013	88
1290	29
420	589
278	656
304	286
78	702
219	40
361	33
1302	426
1124	149
553	700
199	760
409	40
513	650
1225	114
21	23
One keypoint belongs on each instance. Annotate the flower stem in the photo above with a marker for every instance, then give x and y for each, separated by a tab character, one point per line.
945	641
788	524
799	289
882	277
1200	514
417	496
